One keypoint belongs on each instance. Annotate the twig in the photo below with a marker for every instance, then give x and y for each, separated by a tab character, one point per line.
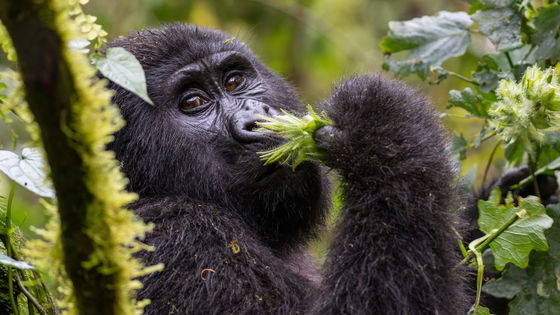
30	297
461	77
9	247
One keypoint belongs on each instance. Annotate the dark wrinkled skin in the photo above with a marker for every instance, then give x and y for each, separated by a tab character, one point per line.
230	231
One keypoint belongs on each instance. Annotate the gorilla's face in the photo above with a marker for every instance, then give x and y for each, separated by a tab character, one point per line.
199	140
216	99
200	137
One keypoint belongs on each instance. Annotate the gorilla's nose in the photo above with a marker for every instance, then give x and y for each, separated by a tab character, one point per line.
244	121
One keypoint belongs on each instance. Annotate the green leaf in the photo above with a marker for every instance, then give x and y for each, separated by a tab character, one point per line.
514	151
517	241
480	310
431	39
502	26
535	289
8	261
547	24
459	146
469	100
121	67
27	170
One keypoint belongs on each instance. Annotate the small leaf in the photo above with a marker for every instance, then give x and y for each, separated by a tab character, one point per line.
431	39
121	67
470	101
517	241
8	261
27	170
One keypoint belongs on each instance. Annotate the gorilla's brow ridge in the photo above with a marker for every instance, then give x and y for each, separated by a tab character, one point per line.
224	56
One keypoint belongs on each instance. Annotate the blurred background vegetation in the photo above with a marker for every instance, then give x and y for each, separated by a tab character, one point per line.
312	43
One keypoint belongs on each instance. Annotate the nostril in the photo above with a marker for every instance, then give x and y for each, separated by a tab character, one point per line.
266	109
250	126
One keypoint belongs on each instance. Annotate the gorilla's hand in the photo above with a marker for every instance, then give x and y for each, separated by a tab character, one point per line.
383	130
397	180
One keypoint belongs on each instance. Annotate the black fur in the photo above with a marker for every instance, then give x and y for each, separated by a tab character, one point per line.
230	231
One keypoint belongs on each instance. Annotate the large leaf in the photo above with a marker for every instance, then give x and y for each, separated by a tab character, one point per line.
121	67
518	240
535	289
547	24
27	170
5	260
502	26
431	39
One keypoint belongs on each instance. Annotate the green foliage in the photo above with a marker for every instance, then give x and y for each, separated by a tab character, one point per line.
516	93
299	132
526	109
515	243
431	39
121	67
534	290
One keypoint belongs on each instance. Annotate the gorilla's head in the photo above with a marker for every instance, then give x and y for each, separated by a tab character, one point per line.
199	139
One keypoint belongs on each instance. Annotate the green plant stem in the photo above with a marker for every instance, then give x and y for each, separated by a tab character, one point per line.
479	272
481	246
490	159
9	247
509	60
532	169
461	77
30	298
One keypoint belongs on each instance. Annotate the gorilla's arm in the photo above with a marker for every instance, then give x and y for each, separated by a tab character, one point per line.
213	263
395	250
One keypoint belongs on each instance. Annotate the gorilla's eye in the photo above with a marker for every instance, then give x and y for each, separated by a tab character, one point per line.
192	102
234	81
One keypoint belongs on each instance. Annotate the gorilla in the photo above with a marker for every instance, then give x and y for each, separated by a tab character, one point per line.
232	232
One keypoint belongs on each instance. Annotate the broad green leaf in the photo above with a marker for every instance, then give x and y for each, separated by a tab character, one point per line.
27	170
8	261
502	26
469	100
534	290
517	241
431	39
121	67
509	285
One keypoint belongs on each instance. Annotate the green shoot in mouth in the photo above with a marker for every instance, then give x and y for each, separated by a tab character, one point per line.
298	131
